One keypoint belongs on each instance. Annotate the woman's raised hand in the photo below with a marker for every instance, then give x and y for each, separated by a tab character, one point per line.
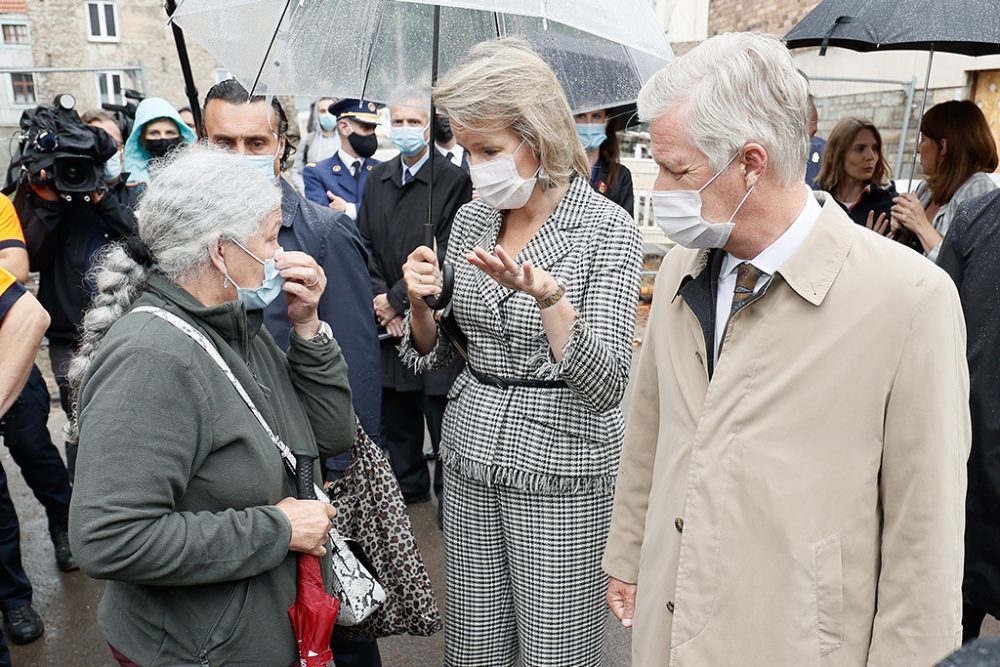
423	276
502	268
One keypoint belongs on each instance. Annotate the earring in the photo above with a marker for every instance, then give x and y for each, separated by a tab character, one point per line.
544	181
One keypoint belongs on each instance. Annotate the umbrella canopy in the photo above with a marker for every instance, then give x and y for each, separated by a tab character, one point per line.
968	27
382	49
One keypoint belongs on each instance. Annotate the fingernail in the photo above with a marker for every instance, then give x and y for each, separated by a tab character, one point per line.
627	622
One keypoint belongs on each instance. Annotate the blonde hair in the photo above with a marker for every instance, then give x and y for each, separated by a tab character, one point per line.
505	85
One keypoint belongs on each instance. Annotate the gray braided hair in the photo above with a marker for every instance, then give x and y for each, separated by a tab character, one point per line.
195	197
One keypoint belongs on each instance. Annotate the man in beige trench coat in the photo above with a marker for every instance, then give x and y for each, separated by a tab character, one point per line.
792	484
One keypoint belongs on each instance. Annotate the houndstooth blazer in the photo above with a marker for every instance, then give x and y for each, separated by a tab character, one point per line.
547	440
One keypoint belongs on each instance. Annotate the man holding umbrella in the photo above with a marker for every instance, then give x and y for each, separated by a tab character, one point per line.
792	483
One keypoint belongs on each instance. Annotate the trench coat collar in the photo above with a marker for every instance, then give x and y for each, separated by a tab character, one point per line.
814	267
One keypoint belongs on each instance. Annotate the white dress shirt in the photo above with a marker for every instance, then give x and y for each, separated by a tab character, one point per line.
349	160
768	261
456	153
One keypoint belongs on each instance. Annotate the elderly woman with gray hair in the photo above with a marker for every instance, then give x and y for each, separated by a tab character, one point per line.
181	499
546	287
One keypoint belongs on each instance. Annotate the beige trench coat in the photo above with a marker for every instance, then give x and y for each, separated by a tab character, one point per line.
805	507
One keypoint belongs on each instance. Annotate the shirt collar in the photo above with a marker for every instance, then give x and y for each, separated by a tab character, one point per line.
775	255
417	166
455	150
349	159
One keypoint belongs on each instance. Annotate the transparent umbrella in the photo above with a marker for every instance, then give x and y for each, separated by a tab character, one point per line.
379	49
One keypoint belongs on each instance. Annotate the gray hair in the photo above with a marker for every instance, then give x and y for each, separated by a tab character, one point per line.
737	88
503	85
198	196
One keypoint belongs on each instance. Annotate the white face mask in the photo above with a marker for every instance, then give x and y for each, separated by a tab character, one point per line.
500	185
678	213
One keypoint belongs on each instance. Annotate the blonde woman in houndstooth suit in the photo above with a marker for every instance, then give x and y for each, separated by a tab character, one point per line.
547	281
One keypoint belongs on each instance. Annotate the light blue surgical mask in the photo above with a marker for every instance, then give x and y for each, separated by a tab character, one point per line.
409	140
327	122
260	297
113	168
264	164
592	135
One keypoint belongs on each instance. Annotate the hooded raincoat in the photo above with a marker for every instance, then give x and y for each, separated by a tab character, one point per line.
136	156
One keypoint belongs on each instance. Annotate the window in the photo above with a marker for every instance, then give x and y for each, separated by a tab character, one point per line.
15	33
109	87
23	88
102	21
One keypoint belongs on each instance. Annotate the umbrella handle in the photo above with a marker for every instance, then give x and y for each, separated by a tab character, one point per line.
447	288
304	463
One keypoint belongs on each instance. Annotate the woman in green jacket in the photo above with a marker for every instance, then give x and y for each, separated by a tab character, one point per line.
181	500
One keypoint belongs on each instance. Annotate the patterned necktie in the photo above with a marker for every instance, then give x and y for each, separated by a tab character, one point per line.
746	282
407	176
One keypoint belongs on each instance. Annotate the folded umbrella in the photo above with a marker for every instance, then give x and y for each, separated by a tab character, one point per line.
314	611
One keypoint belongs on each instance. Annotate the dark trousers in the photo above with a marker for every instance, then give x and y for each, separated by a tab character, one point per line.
60	355
26	434
403	417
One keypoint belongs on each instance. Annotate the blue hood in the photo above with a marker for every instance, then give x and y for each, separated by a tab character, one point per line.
136	157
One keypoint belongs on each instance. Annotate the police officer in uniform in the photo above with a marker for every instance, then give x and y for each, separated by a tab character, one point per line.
339	181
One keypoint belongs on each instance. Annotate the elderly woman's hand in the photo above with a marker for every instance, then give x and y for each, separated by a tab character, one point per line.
423	277
305	281
502	268
310	520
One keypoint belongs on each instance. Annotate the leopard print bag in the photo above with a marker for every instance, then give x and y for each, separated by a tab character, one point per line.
370	510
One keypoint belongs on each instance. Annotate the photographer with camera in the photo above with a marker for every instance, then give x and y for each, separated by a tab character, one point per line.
158	130
69	215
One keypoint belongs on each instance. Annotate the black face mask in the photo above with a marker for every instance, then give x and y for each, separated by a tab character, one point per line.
442	130
364	146
160	147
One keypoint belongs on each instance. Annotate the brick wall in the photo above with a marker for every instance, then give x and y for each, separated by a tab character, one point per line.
59	30
773	16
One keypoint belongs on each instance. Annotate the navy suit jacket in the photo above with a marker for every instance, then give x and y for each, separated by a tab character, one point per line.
333	175
333	240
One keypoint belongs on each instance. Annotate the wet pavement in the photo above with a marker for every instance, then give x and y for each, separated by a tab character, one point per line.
68	602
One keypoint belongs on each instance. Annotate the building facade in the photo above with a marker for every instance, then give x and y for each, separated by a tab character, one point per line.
106	46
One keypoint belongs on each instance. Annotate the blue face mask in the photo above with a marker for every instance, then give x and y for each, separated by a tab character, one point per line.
409	140
264	164
592	135
260	297
327	122
113	168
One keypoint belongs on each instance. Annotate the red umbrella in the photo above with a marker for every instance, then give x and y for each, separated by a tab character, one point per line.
314	611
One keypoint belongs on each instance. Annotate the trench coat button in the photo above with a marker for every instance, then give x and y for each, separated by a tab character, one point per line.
670	606
679	524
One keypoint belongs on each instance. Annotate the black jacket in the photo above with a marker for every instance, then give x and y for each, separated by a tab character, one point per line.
969	254
63	242
620	191
392	221
879	199
875	198
332	239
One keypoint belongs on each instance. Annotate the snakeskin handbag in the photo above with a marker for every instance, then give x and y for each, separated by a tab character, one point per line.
354	581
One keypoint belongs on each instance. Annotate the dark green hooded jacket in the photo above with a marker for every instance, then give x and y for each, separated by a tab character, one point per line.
176	481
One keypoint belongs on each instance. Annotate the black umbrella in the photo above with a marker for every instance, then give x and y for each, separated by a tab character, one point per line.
967	27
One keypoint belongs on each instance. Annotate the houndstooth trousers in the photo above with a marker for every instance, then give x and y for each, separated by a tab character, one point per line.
523	573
